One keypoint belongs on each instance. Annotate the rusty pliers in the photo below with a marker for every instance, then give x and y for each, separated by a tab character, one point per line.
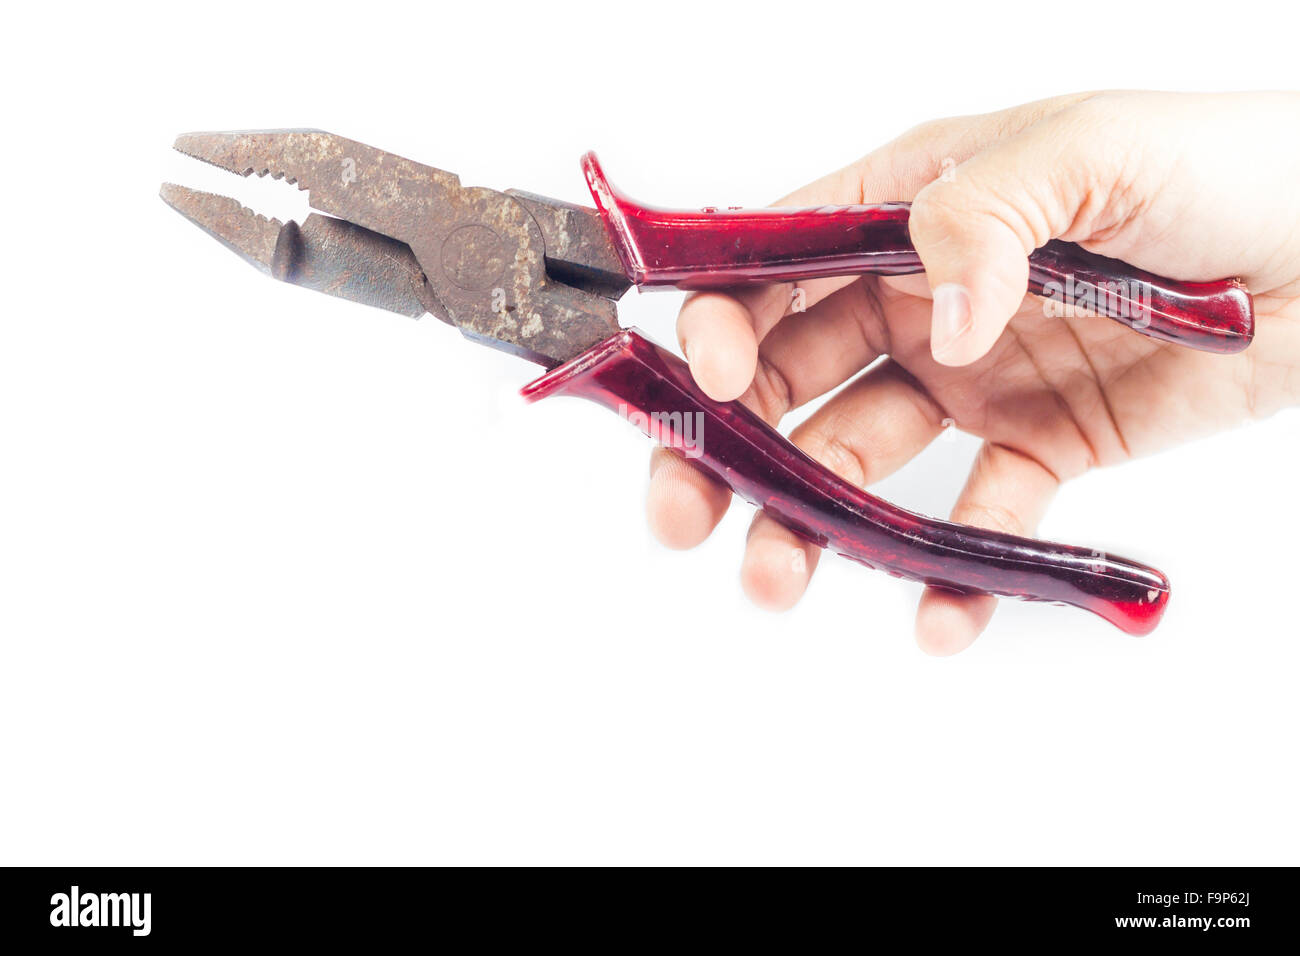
539	277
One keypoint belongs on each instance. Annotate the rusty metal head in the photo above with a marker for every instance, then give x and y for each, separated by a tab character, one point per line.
325	254
523	273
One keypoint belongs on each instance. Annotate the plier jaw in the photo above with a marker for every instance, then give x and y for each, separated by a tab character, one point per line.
407	237
329	255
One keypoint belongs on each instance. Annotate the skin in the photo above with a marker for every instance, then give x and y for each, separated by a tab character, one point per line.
1189	186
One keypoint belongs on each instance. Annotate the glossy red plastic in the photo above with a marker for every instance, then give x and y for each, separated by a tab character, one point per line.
720	248
654	389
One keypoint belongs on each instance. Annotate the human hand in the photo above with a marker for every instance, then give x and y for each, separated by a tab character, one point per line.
1188	186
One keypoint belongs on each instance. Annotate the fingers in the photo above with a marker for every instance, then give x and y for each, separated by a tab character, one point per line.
872	428
863	434
720	333
977	265
1009	492
809	355
684	504
812	352
974	230
777	566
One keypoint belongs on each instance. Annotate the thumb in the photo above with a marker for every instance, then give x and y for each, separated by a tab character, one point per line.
974	228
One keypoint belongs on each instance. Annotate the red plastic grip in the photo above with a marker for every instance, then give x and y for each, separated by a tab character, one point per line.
654	389
713	248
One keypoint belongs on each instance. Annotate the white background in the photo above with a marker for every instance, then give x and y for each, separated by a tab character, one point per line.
288	580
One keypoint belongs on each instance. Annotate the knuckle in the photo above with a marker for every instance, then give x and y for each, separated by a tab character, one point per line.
770	392
996	517
935	210
830	448
928	134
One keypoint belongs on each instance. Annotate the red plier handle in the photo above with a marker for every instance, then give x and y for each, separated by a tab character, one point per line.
654	390
721	248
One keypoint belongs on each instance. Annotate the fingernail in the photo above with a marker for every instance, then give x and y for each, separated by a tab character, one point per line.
951	318
691	351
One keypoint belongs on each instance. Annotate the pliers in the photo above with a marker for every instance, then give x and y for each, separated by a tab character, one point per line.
539	278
